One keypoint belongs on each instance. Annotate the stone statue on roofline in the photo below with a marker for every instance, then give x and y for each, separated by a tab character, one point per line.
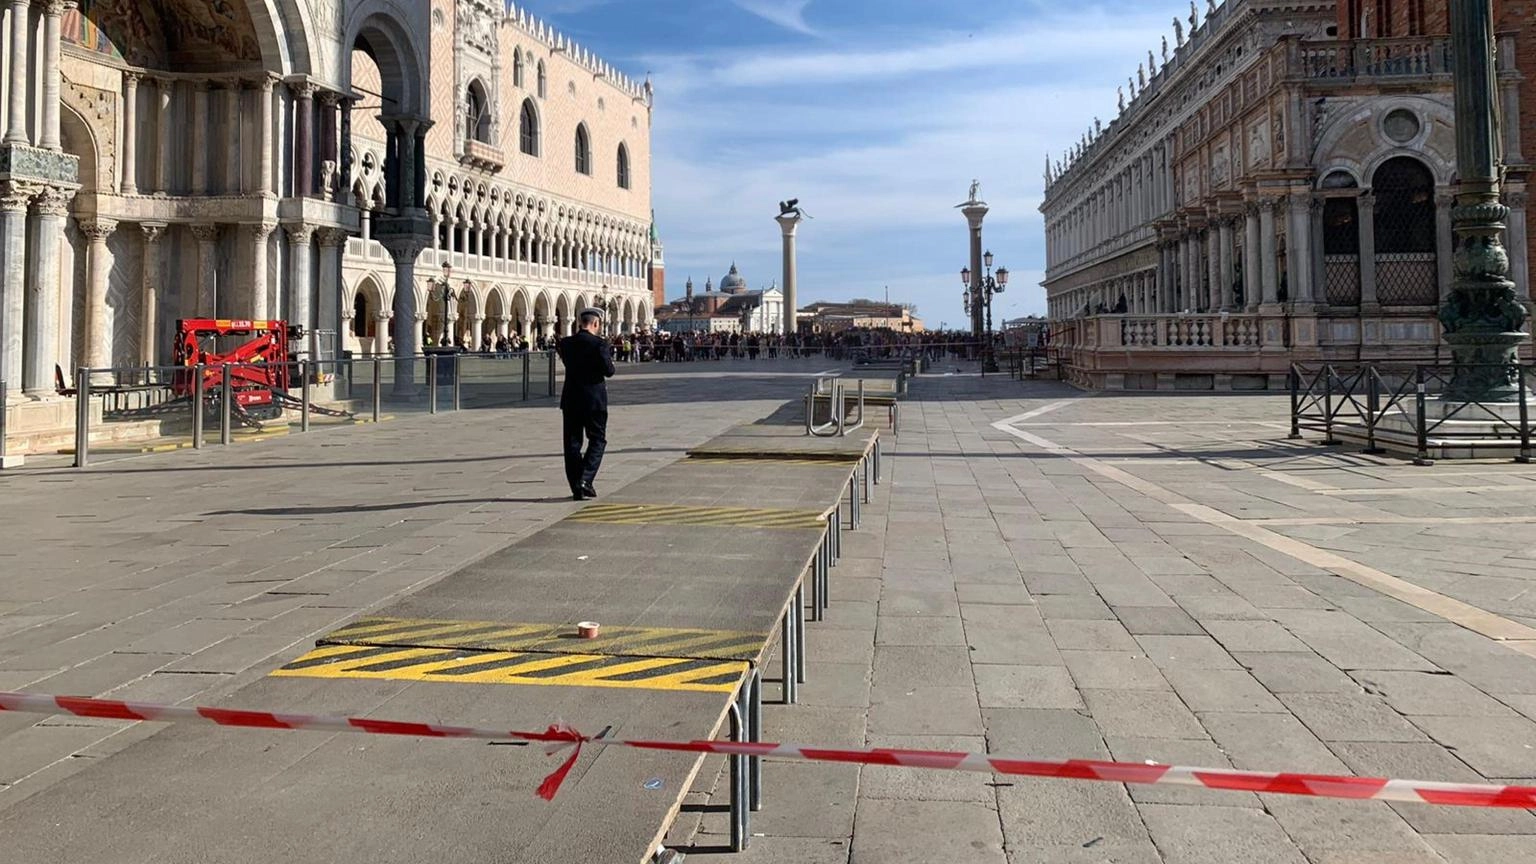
1165	50
1194	18
1178	32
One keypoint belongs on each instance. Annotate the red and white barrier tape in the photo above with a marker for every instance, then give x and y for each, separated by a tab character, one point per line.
560	736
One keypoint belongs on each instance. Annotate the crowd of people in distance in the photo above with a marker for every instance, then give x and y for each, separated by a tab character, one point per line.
661	346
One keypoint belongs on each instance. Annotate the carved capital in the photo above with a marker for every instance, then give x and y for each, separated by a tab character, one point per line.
266	82
302	89
328	98
52	201
56	8
1513	199
300	235
1444	200
98	230
205	233
153	231
16	196
131	78
1366	200
332	236
261	230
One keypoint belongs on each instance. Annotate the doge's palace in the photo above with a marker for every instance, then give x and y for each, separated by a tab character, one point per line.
316	162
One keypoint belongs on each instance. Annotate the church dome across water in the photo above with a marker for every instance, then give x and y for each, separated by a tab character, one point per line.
732	282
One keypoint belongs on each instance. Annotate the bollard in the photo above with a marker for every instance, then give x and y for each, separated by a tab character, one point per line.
1422	456
199	382
527	376
226	411
82	417
378	386
304	396
1525	418
1373	408
432	382
6	461
458	364
1295	404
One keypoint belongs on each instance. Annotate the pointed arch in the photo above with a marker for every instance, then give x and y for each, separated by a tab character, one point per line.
623	165
528	128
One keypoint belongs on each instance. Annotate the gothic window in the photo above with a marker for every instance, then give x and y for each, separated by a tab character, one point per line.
1404	192
583	150
517	67
528	129
543	81
623	167
477	115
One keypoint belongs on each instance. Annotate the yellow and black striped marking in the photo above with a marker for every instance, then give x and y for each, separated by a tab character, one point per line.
713	459
682	514
663	642
508	667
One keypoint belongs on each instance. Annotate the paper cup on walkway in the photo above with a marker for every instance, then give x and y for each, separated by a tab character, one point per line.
587	629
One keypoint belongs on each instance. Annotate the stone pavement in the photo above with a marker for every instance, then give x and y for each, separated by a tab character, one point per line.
1156	578
1043	573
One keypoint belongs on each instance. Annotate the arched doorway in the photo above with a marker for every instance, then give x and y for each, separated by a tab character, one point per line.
1404	229
543	316
365	335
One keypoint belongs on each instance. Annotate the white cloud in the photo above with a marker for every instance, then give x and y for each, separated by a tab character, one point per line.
789	14
880	143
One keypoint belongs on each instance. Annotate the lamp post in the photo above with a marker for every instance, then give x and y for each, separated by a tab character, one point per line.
1482	315
978	301
444	286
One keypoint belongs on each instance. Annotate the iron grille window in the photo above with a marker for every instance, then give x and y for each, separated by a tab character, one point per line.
1406	273
1341	252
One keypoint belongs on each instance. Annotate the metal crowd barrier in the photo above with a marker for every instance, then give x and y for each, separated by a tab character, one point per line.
837	424
509	381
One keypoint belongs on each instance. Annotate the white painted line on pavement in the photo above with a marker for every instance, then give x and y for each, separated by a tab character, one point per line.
1027	415
1512	634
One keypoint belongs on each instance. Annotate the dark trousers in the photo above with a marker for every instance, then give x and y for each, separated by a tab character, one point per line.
593	424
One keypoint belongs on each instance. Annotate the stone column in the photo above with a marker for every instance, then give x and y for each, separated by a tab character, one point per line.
477	332
14	201
1225	269
1365	207
1519	264
302	299
53	10
1181	282
149	293
1269	271
1299	244
328	101
41	319
975	212
207	271
234	181
98	338
258	306
1213	268
328	299
787	225
128	183
16	117
163	134
1445	243
403	250
303	111
1253	288
381	333
265	144
199	138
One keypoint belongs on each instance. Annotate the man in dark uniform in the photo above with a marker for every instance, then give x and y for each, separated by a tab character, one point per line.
584	401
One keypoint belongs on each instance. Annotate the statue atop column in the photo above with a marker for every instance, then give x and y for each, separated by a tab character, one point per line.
975	192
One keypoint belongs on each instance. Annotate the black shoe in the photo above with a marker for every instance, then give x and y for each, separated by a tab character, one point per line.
588	492
577	496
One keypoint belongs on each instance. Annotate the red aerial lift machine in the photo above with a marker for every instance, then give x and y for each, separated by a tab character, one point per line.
254	354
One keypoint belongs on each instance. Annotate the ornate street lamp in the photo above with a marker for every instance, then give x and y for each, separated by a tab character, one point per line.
444	286
978	300
1482	314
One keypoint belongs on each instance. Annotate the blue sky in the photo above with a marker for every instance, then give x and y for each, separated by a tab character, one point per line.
876	114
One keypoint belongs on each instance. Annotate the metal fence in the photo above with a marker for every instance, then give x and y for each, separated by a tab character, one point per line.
186	401
1371	400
